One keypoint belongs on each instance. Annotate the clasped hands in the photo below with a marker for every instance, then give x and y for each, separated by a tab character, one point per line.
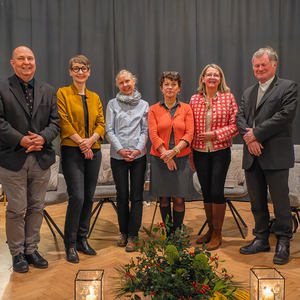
129	155
32	142
253	145
85	147
207	136
167	157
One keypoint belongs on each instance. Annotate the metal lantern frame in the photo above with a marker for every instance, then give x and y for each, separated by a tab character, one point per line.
266	284
89	285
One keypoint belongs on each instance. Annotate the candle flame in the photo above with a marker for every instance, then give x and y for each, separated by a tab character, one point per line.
268	291
91	290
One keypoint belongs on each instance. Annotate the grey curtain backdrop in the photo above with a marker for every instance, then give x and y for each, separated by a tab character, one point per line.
148	37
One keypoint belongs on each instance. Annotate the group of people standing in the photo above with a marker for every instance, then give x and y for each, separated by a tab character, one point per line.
197	135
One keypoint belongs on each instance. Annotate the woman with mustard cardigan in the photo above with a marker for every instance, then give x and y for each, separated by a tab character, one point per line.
82	127
171	129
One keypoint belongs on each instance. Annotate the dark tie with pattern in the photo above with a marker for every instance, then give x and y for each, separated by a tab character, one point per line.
28	97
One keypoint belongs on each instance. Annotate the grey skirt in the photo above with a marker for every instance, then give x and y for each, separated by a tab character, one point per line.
166	183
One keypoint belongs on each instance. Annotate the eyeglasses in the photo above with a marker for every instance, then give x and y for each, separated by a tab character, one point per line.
170	73
212	75
76	69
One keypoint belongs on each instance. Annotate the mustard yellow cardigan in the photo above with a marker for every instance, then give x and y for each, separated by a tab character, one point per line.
71	114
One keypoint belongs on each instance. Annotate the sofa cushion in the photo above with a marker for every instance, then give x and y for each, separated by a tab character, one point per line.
235	171
58	196
53	182
105	176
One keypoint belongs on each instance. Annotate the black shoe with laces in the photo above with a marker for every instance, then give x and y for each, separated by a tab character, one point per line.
20	264
37	260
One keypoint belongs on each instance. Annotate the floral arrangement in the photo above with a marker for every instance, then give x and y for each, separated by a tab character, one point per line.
165	269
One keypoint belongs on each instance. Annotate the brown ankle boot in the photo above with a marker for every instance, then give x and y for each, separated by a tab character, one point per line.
218	212
208	212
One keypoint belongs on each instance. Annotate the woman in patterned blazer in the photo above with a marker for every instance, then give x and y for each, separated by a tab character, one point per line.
214	110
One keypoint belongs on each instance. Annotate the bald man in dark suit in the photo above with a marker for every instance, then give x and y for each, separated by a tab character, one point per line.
264	120
28	124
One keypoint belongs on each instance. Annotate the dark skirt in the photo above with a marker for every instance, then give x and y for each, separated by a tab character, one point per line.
166	183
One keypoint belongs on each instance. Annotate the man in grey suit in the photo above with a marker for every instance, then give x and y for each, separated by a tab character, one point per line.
264	120
28	124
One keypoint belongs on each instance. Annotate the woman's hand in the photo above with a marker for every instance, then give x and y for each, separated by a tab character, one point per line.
171	165
132	155
86	144
89	154
207	136
124	153
168	155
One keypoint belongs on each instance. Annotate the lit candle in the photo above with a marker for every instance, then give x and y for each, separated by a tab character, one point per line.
91	296
268	294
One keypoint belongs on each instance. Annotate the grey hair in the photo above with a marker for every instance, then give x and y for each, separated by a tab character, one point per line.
126	72
273	57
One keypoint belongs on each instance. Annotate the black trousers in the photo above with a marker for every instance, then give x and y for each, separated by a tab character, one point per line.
81	177
212	168
129	220
277	180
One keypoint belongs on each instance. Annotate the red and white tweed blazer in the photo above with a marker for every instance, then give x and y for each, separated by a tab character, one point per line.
223	124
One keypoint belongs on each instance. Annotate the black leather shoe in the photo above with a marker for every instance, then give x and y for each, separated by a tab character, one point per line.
20	264
85	248
72	255
37	260
256	246
282	253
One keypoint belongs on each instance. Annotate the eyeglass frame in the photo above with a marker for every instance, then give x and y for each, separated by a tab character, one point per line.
212	75
87	69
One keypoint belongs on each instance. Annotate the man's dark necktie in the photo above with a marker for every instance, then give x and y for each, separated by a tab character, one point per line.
28	97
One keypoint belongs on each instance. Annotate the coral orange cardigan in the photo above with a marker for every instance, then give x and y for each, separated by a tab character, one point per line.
160	126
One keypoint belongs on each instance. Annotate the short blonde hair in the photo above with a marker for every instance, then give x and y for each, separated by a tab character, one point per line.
126	72
222	87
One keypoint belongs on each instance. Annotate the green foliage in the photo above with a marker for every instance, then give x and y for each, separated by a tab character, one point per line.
171	254
200	262
166	270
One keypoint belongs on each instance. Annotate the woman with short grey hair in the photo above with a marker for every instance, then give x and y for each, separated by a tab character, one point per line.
127	132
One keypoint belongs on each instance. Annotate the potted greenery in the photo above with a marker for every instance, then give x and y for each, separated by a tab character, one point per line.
165	269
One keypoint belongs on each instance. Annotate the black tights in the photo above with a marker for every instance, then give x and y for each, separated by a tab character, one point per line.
178	210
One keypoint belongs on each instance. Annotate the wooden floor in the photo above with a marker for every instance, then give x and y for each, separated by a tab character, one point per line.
57	282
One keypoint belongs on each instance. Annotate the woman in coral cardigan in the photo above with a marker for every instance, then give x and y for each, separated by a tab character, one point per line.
171	128
214	110
82	127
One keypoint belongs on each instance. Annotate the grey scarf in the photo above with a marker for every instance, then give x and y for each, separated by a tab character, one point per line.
131	99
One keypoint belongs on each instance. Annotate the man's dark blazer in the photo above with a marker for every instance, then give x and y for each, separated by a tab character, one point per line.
15	122
273	123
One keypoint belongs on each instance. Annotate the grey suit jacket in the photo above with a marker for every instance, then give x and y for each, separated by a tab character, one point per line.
273	123
15	122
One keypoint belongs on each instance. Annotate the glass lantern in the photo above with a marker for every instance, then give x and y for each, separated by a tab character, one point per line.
89	285
266	284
